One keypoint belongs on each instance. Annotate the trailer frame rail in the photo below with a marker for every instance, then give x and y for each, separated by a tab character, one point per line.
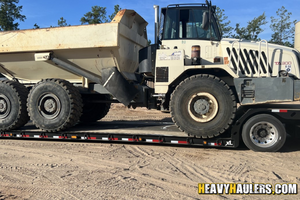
230	142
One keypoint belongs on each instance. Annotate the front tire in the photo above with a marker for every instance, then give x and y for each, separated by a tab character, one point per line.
54	105
264	133
203	106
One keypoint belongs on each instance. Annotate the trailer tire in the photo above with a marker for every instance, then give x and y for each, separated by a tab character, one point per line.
13	112
54	105
203	106
264	133
93	112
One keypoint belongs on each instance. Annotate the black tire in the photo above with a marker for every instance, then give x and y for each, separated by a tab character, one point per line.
13	112
93	112
54	105
203	106
264	133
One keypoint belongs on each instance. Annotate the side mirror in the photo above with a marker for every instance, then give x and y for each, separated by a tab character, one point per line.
205	21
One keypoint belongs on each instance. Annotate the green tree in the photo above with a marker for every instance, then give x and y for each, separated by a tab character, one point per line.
62	22
252	30
9	12
282	27
117	9
96	16
35	26
226	30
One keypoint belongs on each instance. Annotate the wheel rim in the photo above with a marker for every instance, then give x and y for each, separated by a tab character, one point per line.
5	106
49	106
264	134
203	107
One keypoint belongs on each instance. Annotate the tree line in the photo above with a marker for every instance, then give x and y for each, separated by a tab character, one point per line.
10	11
282	27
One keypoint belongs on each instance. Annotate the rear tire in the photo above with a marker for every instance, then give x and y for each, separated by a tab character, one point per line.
203	106
264	133
13	112
54	105
93	112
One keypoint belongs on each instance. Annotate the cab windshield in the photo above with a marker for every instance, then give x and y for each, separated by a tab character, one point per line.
186	23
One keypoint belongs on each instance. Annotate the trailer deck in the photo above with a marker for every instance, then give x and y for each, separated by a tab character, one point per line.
139	132
163	132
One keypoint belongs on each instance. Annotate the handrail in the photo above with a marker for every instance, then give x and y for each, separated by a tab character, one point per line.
259	57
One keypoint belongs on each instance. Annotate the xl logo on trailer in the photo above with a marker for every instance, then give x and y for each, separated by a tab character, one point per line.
229	143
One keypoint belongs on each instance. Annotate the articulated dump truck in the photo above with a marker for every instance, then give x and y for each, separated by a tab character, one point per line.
59	76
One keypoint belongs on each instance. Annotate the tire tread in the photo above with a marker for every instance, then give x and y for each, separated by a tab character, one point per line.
75	101
208	76
21	93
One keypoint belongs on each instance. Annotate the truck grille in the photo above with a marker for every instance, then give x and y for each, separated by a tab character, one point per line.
248	61
162	74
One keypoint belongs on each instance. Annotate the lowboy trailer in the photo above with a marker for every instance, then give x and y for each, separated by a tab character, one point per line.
261	127
59	76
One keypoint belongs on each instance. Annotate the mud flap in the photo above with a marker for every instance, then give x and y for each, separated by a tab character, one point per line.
118	86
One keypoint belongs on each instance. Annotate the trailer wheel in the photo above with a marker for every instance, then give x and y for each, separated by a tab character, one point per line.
93	112
13	113
264	133
54	105
203	106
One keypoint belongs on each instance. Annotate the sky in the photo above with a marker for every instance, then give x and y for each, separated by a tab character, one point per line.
47	13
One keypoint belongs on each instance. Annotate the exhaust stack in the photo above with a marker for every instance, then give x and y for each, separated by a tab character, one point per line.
156	10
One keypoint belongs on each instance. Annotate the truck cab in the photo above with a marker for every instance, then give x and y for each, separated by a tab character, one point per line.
190	39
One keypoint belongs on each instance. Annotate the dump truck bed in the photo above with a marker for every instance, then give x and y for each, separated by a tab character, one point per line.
71	37
90	47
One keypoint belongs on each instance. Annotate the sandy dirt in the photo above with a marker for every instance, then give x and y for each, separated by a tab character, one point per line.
33	169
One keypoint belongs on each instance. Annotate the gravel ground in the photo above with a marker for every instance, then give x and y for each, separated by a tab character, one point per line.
75	170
